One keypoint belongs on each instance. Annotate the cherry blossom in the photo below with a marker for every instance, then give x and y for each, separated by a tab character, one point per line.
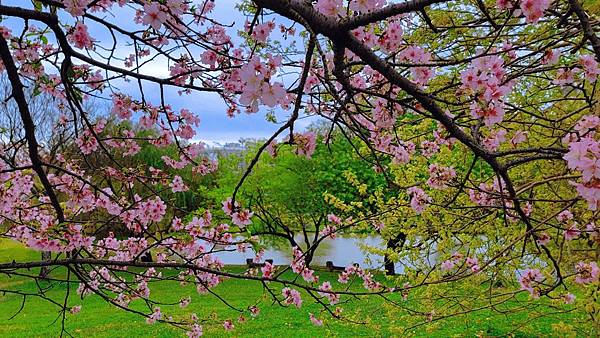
80	37
261	32
419	199
156	315
154	15
473	263
292	296
228	206
228	325
587	272
529	281
315	320
543	239
75	309
440	176
177	184
76	7
533	9
447	265
267	270
329	231
329	7
332	297
195	332
242	218
569	298
254	310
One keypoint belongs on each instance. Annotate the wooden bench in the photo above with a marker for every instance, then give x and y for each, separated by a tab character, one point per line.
330	267
251	264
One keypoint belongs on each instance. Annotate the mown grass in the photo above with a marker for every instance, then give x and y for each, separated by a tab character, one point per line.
39	318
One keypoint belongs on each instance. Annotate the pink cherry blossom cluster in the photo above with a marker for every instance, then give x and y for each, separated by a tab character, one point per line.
337	7
329	231
195	332
530	281
126	145
568	76
490	194
449	264
228	325
315	320
402	152
543	239
239	217
267	270
533	10
368	282
292	296
364	6
334	219
76	7
590	67
261	32
584	156
566	218
587	272
440	176
495	138
80	37
88	140
156	315
177	184
299	266
485	80
391	40
417	55
326	291
429	148
253	79
473	264
330	7
418	199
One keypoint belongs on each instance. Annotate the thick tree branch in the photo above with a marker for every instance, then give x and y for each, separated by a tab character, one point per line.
386	12
588	31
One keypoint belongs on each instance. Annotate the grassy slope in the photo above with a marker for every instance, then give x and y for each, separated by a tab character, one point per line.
97	319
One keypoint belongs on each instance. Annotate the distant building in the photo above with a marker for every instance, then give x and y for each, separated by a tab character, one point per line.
215	150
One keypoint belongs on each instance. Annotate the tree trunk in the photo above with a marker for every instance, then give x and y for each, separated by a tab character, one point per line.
147	257
308	257
45	270
393	244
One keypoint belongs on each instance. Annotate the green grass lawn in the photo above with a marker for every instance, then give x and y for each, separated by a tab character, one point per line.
39	318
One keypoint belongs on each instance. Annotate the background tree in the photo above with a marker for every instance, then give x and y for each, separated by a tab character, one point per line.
46	117
294	198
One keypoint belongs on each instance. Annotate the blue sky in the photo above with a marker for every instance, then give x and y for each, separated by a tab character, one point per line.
215	126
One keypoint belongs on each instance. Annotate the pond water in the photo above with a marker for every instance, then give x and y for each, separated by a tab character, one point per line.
348	249
342	251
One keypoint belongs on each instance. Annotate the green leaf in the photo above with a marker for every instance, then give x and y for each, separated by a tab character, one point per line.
37	5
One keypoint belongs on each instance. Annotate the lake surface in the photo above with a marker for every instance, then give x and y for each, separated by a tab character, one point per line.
343	251
346	249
